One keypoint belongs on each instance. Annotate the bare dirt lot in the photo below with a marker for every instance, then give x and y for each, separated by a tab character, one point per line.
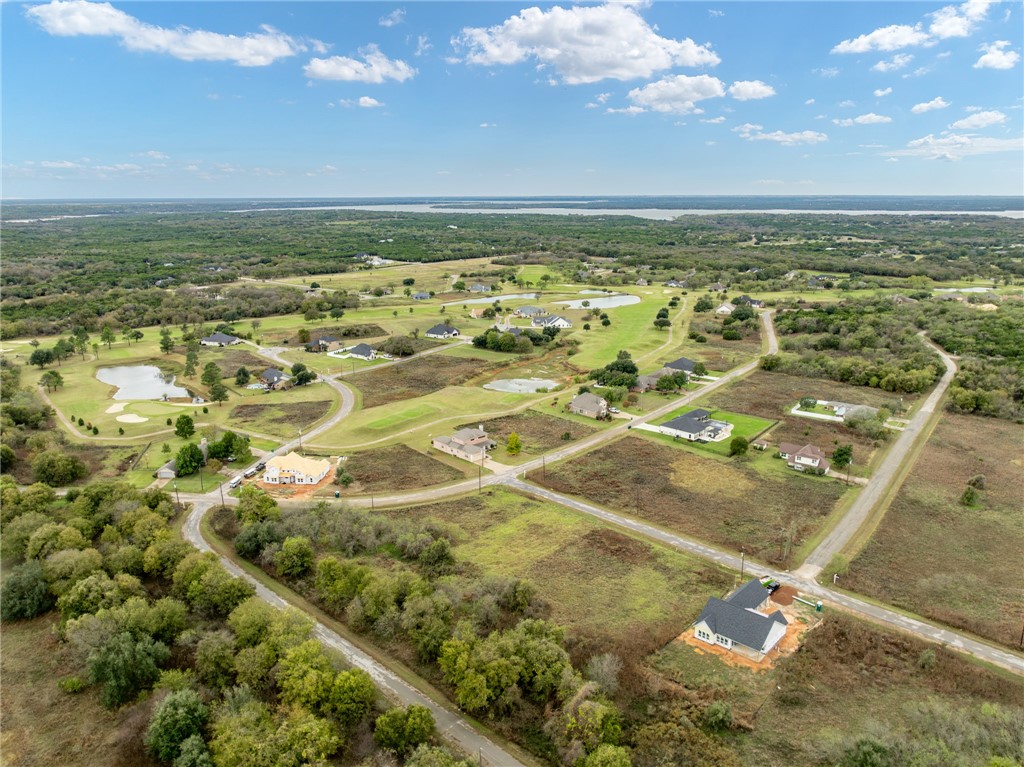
416	378
957	564
539	432
398	467
726	503
772	395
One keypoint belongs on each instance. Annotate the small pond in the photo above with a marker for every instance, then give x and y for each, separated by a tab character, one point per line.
140	382
608	302
490	298
963	290
521	385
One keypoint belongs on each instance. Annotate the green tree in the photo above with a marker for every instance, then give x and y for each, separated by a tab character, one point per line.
166	342
254	505
867	752
402	729
107	335
8	459
718	716
704	304
51	379
24	593
969	496
215	658
738	446
242	376
295	558
351	697
219	393
125	666
806	403
305	676
842	458
193	753
191	358
607	755
211	374
56	468
188	460
176	718
514	445
41	358
184	426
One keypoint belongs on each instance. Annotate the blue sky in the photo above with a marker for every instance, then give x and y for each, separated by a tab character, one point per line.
270	99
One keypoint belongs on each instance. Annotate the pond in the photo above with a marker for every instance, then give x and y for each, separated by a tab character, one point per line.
521	385
492	297
141	382
962	290
608	302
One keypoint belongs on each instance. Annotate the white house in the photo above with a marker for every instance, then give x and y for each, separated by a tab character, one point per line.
220	339
442	331
362	351
294	469
554	321
529	311
477	287
735	623
697	425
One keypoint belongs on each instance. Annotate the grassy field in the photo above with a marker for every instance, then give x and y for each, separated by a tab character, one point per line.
284	413
952	563
416	378
847	681
43	725
539	433
738	503
772	395
399	467
597	581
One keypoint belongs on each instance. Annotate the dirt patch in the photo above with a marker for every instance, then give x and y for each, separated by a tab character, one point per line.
398	467
941	559
670	487
784	595
788	645
274	417
612	543
538	432
416	378
231	359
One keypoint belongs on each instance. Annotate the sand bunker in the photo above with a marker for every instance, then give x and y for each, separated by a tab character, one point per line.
131	418
117	408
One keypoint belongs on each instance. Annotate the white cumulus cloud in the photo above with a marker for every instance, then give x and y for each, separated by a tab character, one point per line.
754	132
866	119
950	21
375	67
956	146
979	120
422	45
367	102
890	38
71	18
582	44
898	61
714	120
936	103
748	90
392	19
995	57
677	93
879	92
958	21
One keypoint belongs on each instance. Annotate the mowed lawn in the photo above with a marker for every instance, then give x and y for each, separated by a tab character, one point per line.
772	395
948	562
733	504
746	426
598	581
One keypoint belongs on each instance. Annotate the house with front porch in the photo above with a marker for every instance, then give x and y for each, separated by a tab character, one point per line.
294	469
808	457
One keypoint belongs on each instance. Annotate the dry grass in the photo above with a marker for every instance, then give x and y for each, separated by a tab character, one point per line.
281	419
727	503
416	378
398	466
41	725
539	432
940	559
232	358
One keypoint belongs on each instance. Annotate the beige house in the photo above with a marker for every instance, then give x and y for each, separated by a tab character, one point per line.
589	405
294	469
803	458
467	444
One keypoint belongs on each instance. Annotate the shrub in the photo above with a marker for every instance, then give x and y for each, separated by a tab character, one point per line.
402	729
295	558
72	684
176	718
24	593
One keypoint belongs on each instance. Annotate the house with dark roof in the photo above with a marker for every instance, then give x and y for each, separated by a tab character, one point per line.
650	381
324	344
511	329
697	425
753	303
736	624
469	444
683	363
589	405
362	351
273	378
716	286
442	331
804	458
529	311
220	339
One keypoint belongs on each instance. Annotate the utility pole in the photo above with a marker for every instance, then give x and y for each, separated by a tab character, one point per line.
221	488
300	440
480	476
742	553
202	487
176	495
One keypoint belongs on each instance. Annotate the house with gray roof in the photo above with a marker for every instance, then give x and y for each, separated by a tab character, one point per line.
478	287
420	295
736	624
589	405
529	311
363	352
468	444
273	378
220	339
442	331
683	363
697	425
554	321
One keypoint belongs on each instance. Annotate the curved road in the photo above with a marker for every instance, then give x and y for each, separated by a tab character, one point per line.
882	480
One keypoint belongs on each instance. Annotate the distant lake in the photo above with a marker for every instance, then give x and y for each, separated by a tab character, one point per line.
140	382
608	302
492	297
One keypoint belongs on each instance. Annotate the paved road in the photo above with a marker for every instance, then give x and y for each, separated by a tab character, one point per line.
1004	658
450	724
878	487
